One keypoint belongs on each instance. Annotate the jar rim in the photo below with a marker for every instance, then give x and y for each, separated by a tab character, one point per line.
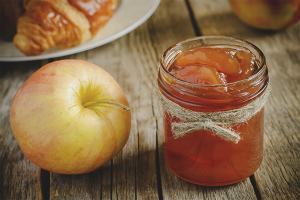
261	66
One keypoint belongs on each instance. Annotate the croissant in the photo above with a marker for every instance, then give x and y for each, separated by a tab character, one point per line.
61	23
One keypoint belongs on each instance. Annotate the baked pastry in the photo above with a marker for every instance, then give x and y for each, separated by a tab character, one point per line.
61	23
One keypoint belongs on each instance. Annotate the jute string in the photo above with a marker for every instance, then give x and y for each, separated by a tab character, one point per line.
218	122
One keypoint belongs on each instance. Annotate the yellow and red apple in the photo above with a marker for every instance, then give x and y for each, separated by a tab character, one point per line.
267	14
70	117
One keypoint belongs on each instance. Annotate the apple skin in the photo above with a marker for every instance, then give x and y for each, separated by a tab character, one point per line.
62	121
267	14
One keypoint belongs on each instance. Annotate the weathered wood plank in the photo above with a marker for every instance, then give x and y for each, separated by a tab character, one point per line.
19	178
279	175
136	63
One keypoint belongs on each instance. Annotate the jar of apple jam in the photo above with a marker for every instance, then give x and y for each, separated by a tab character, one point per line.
207	85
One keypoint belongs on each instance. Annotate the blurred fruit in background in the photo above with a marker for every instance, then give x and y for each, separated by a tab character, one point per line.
267	14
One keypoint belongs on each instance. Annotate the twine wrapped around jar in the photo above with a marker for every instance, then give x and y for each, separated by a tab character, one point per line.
218	122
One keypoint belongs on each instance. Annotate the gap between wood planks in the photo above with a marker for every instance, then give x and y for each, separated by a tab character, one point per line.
158	174
45	184
193	19
255	187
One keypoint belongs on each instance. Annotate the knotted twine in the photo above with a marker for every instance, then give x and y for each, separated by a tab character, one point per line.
218	122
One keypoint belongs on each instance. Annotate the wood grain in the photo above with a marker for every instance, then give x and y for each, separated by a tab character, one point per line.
19	178
279	175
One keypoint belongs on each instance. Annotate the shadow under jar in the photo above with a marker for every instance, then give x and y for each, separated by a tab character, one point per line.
201	156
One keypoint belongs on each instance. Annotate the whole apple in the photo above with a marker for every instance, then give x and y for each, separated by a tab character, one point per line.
70	117
267	14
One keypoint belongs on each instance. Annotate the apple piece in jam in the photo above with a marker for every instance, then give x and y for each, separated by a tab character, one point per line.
211	66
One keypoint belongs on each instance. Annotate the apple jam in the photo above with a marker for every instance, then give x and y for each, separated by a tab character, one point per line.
209	75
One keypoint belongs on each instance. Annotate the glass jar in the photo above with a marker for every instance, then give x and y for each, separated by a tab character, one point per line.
201	156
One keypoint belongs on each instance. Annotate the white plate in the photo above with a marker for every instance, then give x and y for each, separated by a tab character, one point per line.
128	16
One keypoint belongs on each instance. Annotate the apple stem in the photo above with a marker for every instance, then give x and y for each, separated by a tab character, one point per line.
106	102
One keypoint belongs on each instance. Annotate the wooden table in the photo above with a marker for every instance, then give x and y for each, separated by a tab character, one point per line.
140	171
